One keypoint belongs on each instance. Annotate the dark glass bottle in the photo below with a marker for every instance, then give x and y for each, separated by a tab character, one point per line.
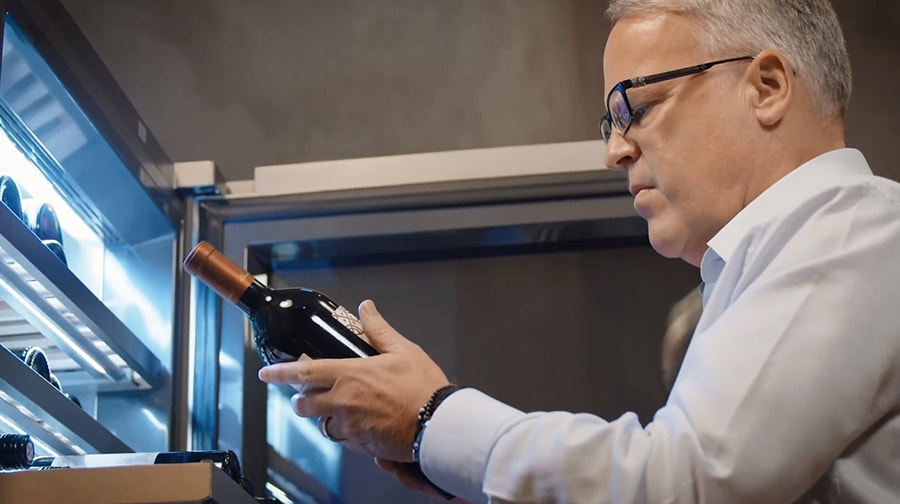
16	451
45	223
286	323
9	195
35	358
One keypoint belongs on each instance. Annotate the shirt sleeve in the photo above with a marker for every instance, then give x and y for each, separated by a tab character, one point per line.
803	361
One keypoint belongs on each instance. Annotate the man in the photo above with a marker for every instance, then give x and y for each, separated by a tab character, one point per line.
733	142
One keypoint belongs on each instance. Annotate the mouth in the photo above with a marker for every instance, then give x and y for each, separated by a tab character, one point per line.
635	189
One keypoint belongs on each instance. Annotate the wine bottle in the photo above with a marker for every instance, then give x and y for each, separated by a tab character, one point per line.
45	224
16	451
35	358
43	221
286	323
10	196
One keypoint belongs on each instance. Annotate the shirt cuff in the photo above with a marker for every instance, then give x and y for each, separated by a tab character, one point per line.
459	438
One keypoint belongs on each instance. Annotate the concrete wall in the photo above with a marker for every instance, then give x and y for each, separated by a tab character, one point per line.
283	81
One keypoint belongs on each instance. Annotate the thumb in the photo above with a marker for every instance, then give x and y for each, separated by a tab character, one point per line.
380	334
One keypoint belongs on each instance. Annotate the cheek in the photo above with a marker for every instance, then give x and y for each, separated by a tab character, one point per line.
687	177
697	206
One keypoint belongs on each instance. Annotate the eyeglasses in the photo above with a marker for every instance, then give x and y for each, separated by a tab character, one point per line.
619	113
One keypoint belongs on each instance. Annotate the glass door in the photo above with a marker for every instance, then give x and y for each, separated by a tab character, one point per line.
88	243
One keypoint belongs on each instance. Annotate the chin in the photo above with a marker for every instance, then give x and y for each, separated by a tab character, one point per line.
665	249
668	243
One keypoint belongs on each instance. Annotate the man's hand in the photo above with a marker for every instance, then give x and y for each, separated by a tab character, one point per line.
373	402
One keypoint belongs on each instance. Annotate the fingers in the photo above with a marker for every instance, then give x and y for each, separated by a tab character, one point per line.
308	374
382	336
309	405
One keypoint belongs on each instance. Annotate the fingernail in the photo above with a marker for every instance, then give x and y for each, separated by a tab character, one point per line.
263	374
367	307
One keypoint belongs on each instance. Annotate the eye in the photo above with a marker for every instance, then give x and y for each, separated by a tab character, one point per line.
640	112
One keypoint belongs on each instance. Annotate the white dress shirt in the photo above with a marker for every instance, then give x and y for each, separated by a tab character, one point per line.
789	391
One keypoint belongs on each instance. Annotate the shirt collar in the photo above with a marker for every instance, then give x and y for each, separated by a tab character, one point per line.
808	178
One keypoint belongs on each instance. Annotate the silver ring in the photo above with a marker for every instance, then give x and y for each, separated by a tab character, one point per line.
323	429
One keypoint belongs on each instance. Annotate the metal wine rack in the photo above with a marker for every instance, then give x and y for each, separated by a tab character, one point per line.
44	304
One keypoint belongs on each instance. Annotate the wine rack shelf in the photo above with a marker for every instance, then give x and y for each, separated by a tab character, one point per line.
33	405
42	303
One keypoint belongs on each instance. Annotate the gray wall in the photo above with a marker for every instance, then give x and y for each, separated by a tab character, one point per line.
283	81
249	83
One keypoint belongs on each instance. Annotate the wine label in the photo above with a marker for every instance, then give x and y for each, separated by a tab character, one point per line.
349	320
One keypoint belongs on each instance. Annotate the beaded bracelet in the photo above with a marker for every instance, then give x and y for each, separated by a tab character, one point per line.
427	411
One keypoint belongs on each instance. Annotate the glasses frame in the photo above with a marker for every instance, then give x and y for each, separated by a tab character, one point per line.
607	124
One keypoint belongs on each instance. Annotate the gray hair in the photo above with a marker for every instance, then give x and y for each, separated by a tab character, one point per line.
806	32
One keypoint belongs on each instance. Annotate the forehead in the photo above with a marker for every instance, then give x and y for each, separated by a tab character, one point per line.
647	44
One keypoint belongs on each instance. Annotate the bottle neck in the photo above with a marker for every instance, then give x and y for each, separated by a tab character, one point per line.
253	298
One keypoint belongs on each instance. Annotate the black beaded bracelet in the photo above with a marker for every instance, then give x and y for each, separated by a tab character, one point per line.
427	411
425	414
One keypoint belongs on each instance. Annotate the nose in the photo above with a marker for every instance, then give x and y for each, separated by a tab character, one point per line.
621	153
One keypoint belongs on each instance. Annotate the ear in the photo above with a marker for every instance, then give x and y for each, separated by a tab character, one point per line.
771	81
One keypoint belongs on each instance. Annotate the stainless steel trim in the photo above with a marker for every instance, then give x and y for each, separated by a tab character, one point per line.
183	355
600	184
425	168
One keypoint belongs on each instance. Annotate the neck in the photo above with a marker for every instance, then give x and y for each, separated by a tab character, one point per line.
785	153
774	156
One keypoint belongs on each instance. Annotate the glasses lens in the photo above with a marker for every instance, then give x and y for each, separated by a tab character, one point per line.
605	128
619	111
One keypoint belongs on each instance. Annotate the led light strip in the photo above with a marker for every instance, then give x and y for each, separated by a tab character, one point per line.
14	427
278	494
25	412
94	356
